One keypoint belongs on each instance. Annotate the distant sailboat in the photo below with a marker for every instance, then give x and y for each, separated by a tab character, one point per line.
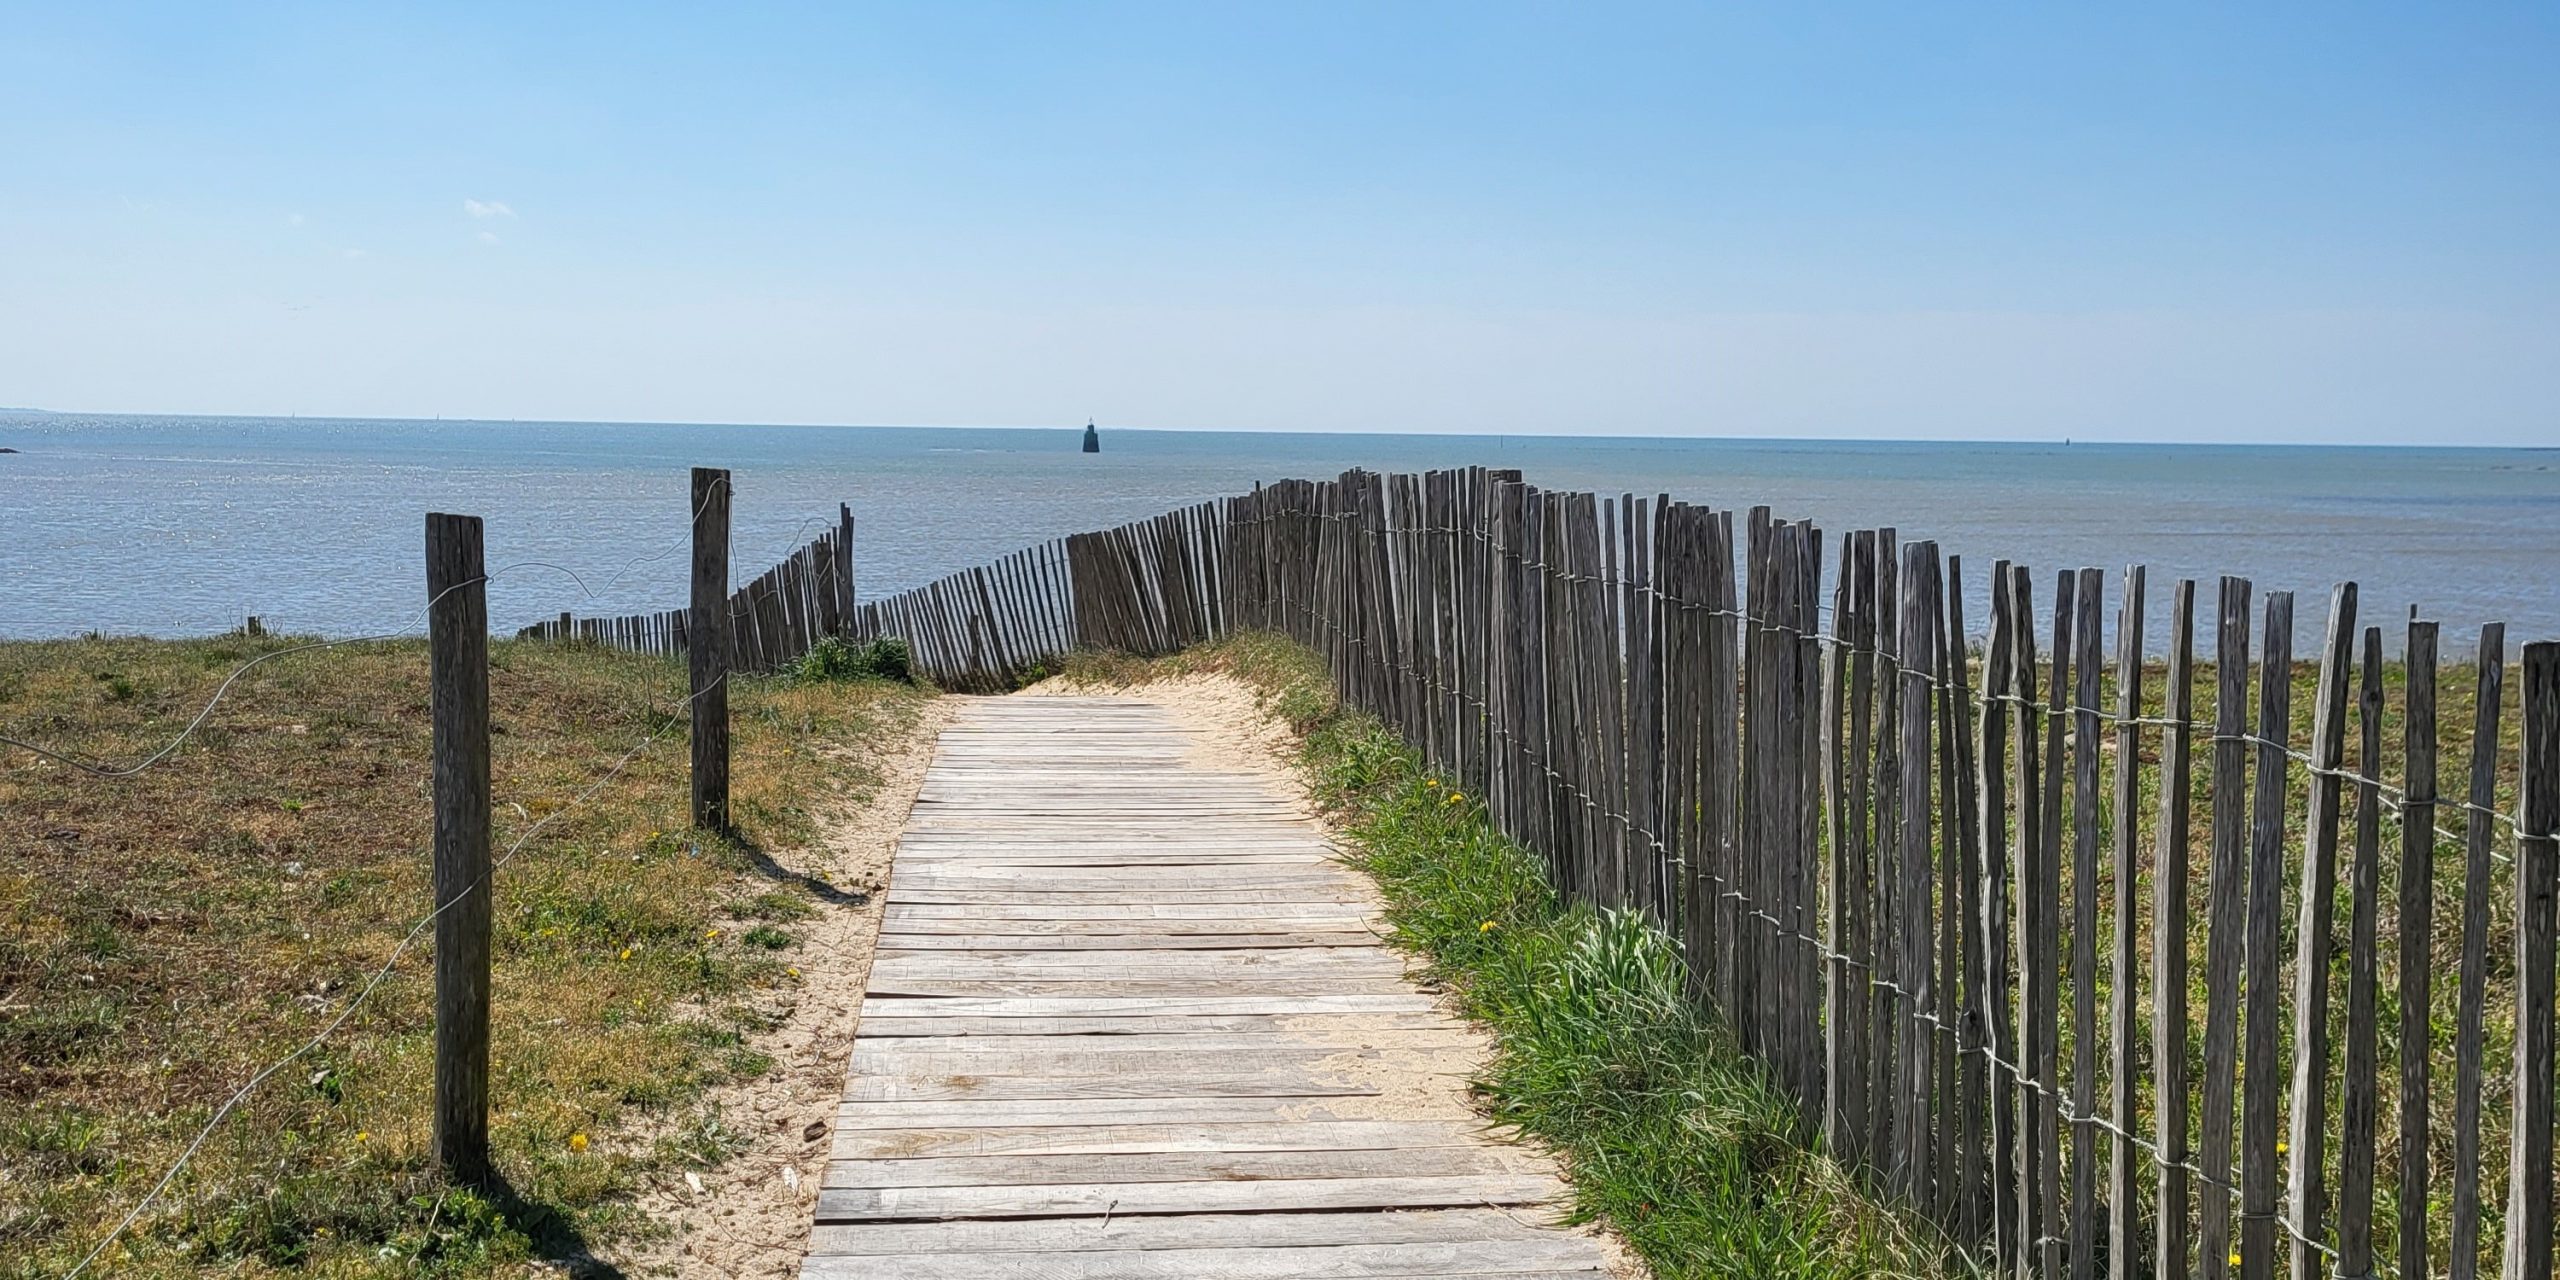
1092	438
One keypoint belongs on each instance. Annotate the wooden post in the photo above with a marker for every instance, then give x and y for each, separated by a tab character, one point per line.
2360	1107
2261	1071
2225	890
709	651
2417	926
2307	1204
2472	998
458	671
2528	1254
2169	945
844	559
2123	1248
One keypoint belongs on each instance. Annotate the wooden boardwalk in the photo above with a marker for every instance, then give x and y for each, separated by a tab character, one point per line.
1128	1019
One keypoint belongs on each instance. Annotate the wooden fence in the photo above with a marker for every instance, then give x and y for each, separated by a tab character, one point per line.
2103	977
773	620
1149	587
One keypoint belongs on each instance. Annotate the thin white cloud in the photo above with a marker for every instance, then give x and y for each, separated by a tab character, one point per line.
488	237
487	208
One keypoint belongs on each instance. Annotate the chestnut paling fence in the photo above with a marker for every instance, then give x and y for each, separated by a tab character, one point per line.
2108	967
773	618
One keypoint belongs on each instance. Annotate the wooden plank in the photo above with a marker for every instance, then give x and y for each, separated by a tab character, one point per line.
1518	1260
899	911
904	943
1301	1135
1324	1024
929	1062
1124	1235
1112	984
1273	1037
855	1204
1006	1113
1024	1169
1088	1003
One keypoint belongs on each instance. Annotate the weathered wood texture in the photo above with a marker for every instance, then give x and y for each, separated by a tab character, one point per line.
1128	1018
458	666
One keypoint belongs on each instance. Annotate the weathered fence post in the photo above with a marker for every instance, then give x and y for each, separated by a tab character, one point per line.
2528	1253
458	673
844	560
708	652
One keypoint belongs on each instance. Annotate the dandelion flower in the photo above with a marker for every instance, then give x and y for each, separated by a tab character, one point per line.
577	1142
793	972
1431	782
710	933
1487	927
626	953
1454	798
363	1135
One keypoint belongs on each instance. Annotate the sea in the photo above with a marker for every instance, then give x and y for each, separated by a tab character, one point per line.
182	526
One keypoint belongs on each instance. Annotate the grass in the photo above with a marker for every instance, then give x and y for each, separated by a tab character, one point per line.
1672	1136
163	937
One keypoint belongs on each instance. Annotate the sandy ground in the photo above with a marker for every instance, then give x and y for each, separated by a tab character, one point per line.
750	1216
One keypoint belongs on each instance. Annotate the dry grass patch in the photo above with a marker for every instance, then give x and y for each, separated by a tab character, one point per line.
164	936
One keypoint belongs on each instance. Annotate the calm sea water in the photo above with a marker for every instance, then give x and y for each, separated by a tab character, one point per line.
178	526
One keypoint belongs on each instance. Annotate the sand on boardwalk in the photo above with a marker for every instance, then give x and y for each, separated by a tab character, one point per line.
1234	731
750	1217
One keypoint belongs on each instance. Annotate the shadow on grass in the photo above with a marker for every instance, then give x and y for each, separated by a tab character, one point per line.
554	1234
762	863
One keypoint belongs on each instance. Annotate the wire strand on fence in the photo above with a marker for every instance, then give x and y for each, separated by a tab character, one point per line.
357	998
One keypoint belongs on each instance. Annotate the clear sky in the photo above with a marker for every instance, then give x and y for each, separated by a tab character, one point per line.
2211	221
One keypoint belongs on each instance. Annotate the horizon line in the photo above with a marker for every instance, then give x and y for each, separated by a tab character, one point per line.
2054	441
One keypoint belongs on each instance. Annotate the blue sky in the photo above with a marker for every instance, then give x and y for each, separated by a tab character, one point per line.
2263	222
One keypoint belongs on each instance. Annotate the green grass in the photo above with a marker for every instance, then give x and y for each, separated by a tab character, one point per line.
163	937
1671	1136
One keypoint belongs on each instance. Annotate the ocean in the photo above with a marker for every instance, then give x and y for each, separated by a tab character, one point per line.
184	526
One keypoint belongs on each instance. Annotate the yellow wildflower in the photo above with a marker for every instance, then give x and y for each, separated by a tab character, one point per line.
363	1135
1431	782
711	933
1454	798
1487	927
793	972
626	953
577	1142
